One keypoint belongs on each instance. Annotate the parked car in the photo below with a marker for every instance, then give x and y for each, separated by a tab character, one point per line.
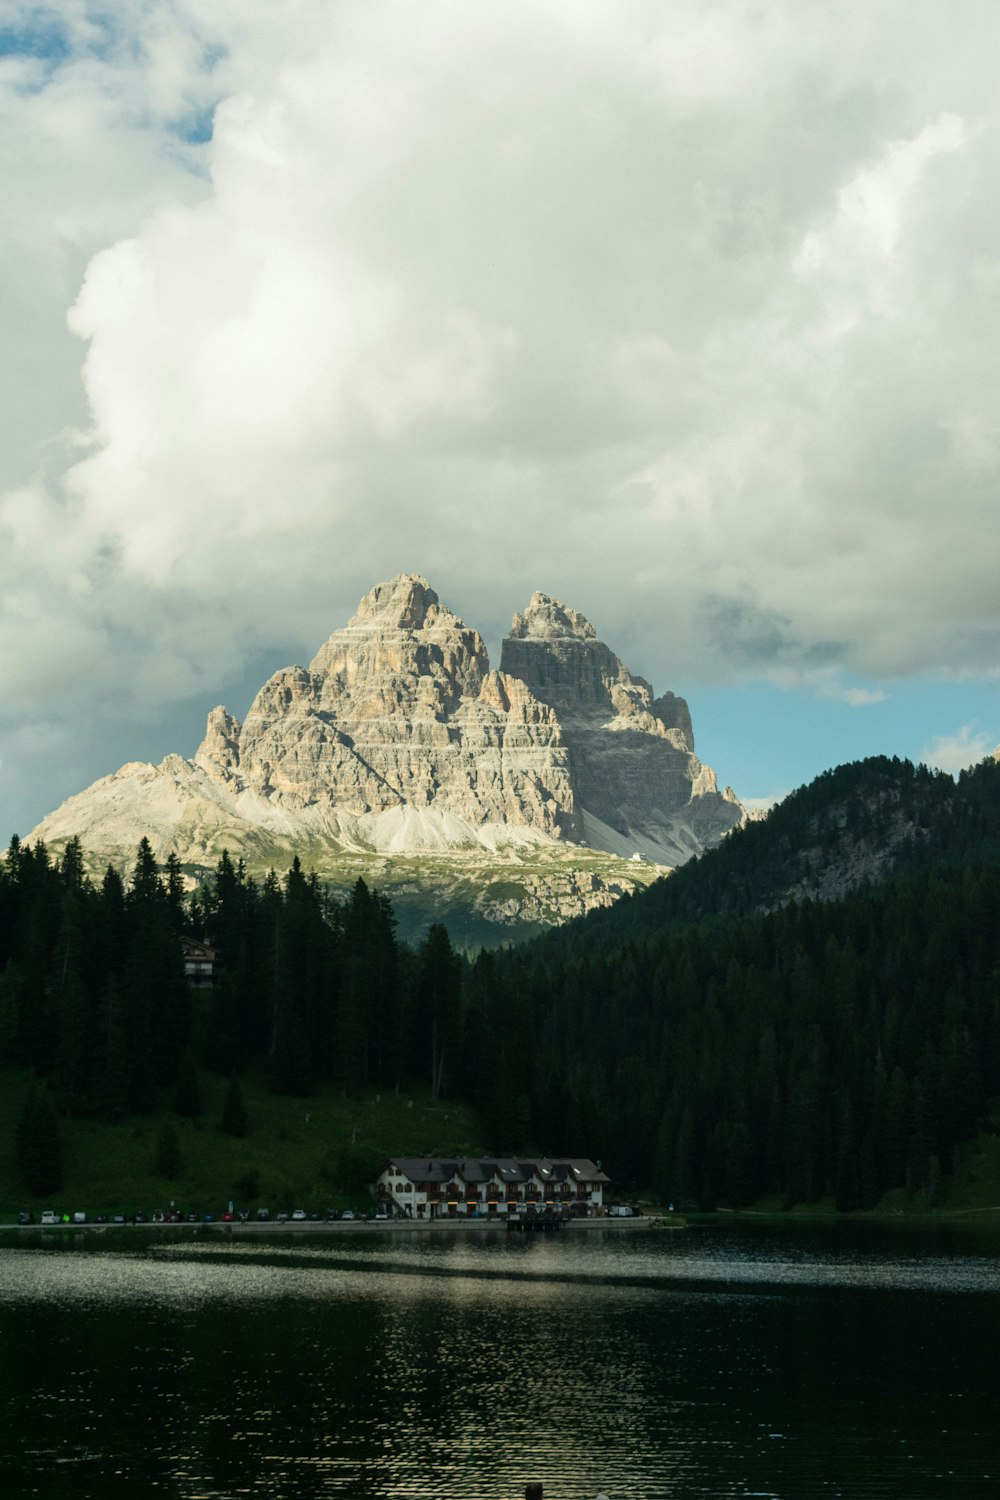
49	1216
282	1217
118	1219
381	1214
263	1215
332	1214
209	1218
192	1218
26	1218
159	1217
79	1217
347	1214
315	1218
100	1218
228	1216
299	1214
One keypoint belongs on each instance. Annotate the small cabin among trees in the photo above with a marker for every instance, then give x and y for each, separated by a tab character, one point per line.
199	961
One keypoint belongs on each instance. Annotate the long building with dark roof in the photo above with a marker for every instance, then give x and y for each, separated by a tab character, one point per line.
420	1187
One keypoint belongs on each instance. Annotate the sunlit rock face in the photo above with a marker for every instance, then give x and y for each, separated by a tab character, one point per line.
399	710
398	737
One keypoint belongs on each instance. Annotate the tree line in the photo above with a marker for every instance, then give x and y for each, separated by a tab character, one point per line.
95	1002
838	1048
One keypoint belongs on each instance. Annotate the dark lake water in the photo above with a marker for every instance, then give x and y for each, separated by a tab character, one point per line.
726	1361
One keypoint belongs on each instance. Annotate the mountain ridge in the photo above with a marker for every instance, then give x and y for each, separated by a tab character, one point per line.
854	827
399	739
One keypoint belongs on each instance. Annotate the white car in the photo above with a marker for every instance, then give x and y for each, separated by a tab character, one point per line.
298	1214
347	1214
48	1217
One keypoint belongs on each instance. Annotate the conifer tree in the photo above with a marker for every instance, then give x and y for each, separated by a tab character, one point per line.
439	983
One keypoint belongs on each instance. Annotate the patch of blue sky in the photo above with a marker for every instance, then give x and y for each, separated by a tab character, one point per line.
195	128
765	740
42	36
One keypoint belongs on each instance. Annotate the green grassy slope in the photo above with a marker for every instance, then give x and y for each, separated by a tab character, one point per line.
295	1147
485	900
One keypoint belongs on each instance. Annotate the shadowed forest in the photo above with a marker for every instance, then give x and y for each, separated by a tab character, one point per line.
722	1038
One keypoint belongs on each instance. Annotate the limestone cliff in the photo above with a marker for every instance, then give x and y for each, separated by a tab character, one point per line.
399	712
636	779
398	737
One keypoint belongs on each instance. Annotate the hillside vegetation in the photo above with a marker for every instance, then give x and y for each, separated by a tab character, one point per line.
809	1015
850	829
315	1153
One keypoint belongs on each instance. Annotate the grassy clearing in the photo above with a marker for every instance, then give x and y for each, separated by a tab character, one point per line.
293	1152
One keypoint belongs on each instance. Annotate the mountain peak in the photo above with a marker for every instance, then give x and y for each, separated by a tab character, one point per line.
405	602
394	628
398	736
547	619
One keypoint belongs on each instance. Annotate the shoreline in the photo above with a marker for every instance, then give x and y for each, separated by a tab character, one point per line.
355	1226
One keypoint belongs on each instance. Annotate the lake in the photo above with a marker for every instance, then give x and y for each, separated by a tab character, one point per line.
727	1360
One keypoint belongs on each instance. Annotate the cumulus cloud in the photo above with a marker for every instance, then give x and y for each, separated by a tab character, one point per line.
687	315
954	752
762	805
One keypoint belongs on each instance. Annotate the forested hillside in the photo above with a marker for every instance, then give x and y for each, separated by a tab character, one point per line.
94	1000
723	1038
852	827
843	1048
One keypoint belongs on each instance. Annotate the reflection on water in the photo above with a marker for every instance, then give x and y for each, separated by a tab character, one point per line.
697	1364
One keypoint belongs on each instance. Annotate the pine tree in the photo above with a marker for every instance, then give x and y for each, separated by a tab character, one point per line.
437	1010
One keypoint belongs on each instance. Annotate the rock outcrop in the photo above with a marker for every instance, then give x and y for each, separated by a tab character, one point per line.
398	737
636	780
400	713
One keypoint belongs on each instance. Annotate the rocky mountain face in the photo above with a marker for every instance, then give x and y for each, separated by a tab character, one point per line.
635	776
399	713
398	738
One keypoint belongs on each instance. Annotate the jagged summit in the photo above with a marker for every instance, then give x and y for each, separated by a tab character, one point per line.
635	774
405	602
547	617
401	629
556	652
398	736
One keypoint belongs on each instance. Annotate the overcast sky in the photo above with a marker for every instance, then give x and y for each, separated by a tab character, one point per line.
686	314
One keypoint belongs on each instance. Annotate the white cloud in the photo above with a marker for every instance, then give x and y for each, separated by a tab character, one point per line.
854	697
869	221
954	752
687	314
764	804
